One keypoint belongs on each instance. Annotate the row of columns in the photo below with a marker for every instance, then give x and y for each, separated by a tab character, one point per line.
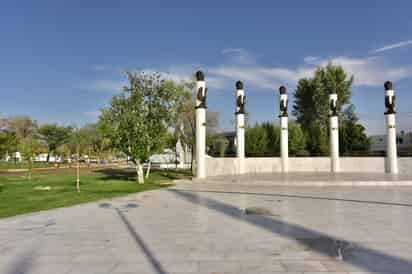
201	95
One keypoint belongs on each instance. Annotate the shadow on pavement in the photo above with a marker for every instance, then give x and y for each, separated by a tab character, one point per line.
301	197
23	264
142	245
353	254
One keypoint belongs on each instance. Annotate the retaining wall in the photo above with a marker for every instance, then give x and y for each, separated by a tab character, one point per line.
230	166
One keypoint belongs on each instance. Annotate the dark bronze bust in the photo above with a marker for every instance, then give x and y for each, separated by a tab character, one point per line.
283	104
389	104
333	108
241	99
200	95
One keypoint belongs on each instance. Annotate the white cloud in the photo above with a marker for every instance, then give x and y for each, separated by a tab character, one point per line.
258	76
311	60
240	56
371	71
108	85
392	46
242	65
368	71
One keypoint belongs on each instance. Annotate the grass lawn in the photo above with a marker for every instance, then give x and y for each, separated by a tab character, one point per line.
18	195
18	165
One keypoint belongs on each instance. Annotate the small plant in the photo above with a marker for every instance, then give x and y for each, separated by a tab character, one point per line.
258	211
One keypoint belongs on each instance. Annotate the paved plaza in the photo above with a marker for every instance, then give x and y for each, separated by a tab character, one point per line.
219	228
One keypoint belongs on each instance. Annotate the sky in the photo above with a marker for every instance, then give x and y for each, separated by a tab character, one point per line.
61	61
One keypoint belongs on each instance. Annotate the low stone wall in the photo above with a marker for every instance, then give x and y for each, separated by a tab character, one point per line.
230	166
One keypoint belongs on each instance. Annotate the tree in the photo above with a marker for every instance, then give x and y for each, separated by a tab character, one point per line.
21	135
22	126
54	136
138	119
352	136
8	139
30	146
23	132
186	121
264	139
297	139
74	144
94	141
311	104
256	140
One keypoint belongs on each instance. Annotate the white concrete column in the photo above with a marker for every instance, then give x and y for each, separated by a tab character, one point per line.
334	133
201	94
284	134
391	150
240	126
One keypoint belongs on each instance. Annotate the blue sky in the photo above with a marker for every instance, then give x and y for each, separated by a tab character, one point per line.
60	61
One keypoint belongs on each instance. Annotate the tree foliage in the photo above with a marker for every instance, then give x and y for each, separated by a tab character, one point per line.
138	119
297	139
352	136
311	109
264	139
93	141
54	136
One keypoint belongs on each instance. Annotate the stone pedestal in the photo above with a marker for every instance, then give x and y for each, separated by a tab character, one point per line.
284	145
391	149
200	125
334	133
240	126
284	131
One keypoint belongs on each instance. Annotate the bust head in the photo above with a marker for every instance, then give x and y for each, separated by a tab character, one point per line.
200	76
239	85
388	85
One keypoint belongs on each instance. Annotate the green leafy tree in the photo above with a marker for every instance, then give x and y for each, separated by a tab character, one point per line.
186	126
352	136
22	126
8	143
217	144
264	139
54	136
30	146
93	141
20	134
24	131
138	119
311	104
256	140
297	139
273	138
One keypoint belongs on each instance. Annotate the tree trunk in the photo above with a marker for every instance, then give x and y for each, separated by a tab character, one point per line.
149	165
78	170
30	168
139	172
175	158
48	157
192	160
88	160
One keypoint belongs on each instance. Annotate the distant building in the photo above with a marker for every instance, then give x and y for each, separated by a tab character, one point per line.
43	158
180	158
14	157
404	143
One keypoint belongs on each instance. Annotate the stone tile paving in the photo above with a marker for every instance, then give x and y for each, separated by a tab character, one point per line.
202	228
